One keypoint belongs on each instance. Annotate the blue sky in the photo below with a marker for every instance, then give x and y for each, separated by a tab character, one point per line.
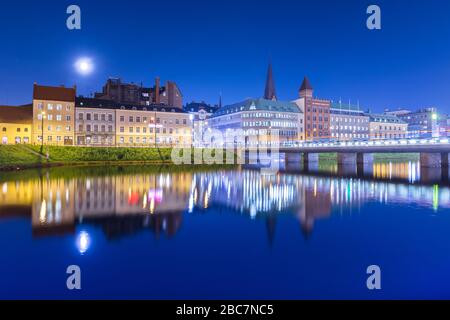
209	47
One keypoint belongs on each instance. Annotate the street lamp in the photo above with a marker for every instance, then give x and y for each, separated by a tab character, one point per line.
191	118
153	120
42	127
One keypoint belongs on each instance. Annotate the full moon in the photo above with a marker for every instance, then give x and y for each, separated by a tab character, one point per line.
84	66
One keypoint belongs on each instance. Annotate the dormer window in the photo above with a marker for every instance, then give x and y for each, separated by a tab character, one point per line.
122	108
134	108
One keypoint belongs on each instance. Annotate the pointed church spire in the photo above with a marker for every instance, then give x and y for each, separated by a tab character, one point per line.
306	90
269	92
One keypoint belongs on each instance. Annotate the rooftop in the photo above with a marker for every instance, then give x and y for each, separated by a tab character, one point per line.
18	115
258	105
339	106
82	102
54	93
197	106
306	85
384	118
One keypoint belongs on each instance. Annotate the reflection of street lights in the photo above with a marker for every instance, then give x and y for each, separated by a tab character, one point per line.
42	127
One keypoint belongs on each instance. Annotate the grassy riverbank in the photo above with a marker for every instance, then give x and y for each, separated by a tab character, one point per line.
20	156
14	157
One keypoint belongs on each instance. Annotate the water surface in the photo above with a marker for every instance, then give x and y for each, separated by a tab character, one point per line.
225	233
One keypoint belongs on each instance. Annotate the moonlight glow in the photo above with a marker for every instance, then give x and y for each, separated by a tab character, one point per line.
84	66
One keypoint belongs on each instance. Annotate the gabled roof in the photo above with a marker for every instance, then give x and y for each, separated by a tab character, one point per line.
19	115
54	93
306	85
259	105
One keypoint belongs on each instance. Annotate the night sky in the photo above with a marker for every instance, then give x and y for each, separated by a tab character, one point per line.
216	46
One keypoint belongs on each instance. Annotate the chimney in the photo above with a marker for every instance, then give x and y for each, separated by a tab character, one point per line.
157	84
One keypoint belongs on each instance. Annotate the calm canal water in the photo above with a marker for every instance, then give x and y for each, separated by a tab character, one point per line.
170	233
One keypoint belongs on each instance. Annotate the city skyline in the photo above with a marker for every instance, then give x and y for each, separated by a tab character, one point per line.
343	58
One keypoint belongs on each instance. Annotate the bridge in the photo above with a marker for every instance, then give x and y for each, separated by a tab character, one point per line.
434	152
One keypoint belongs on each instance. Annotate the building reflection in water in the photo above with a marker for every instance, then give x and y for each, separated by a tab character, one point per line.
124	204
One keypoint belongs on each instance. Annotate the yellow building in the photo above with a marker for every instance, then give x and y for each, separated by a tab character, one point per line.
152	125
384	126
53	115
15	124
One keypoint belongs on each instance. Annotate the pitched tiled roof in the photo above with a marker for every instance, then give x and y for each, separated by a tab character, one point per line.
20	115
54	93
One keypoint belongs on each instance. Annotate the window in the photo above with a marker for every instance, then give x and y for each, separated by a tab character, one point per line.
67	107
184	121
88	128
80	116
122	118
39	116
18	129
138	130
130	129
95	128
80	128
59	107
95	116
40	106
103	128
68	118
138	119
50	106
88	116
110	117
110	128
103	117
50	117
26	129
122	129
130	119
58	117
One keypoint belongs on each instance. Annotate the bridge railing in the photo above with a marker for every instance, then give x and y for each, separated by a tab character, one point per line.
368	143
